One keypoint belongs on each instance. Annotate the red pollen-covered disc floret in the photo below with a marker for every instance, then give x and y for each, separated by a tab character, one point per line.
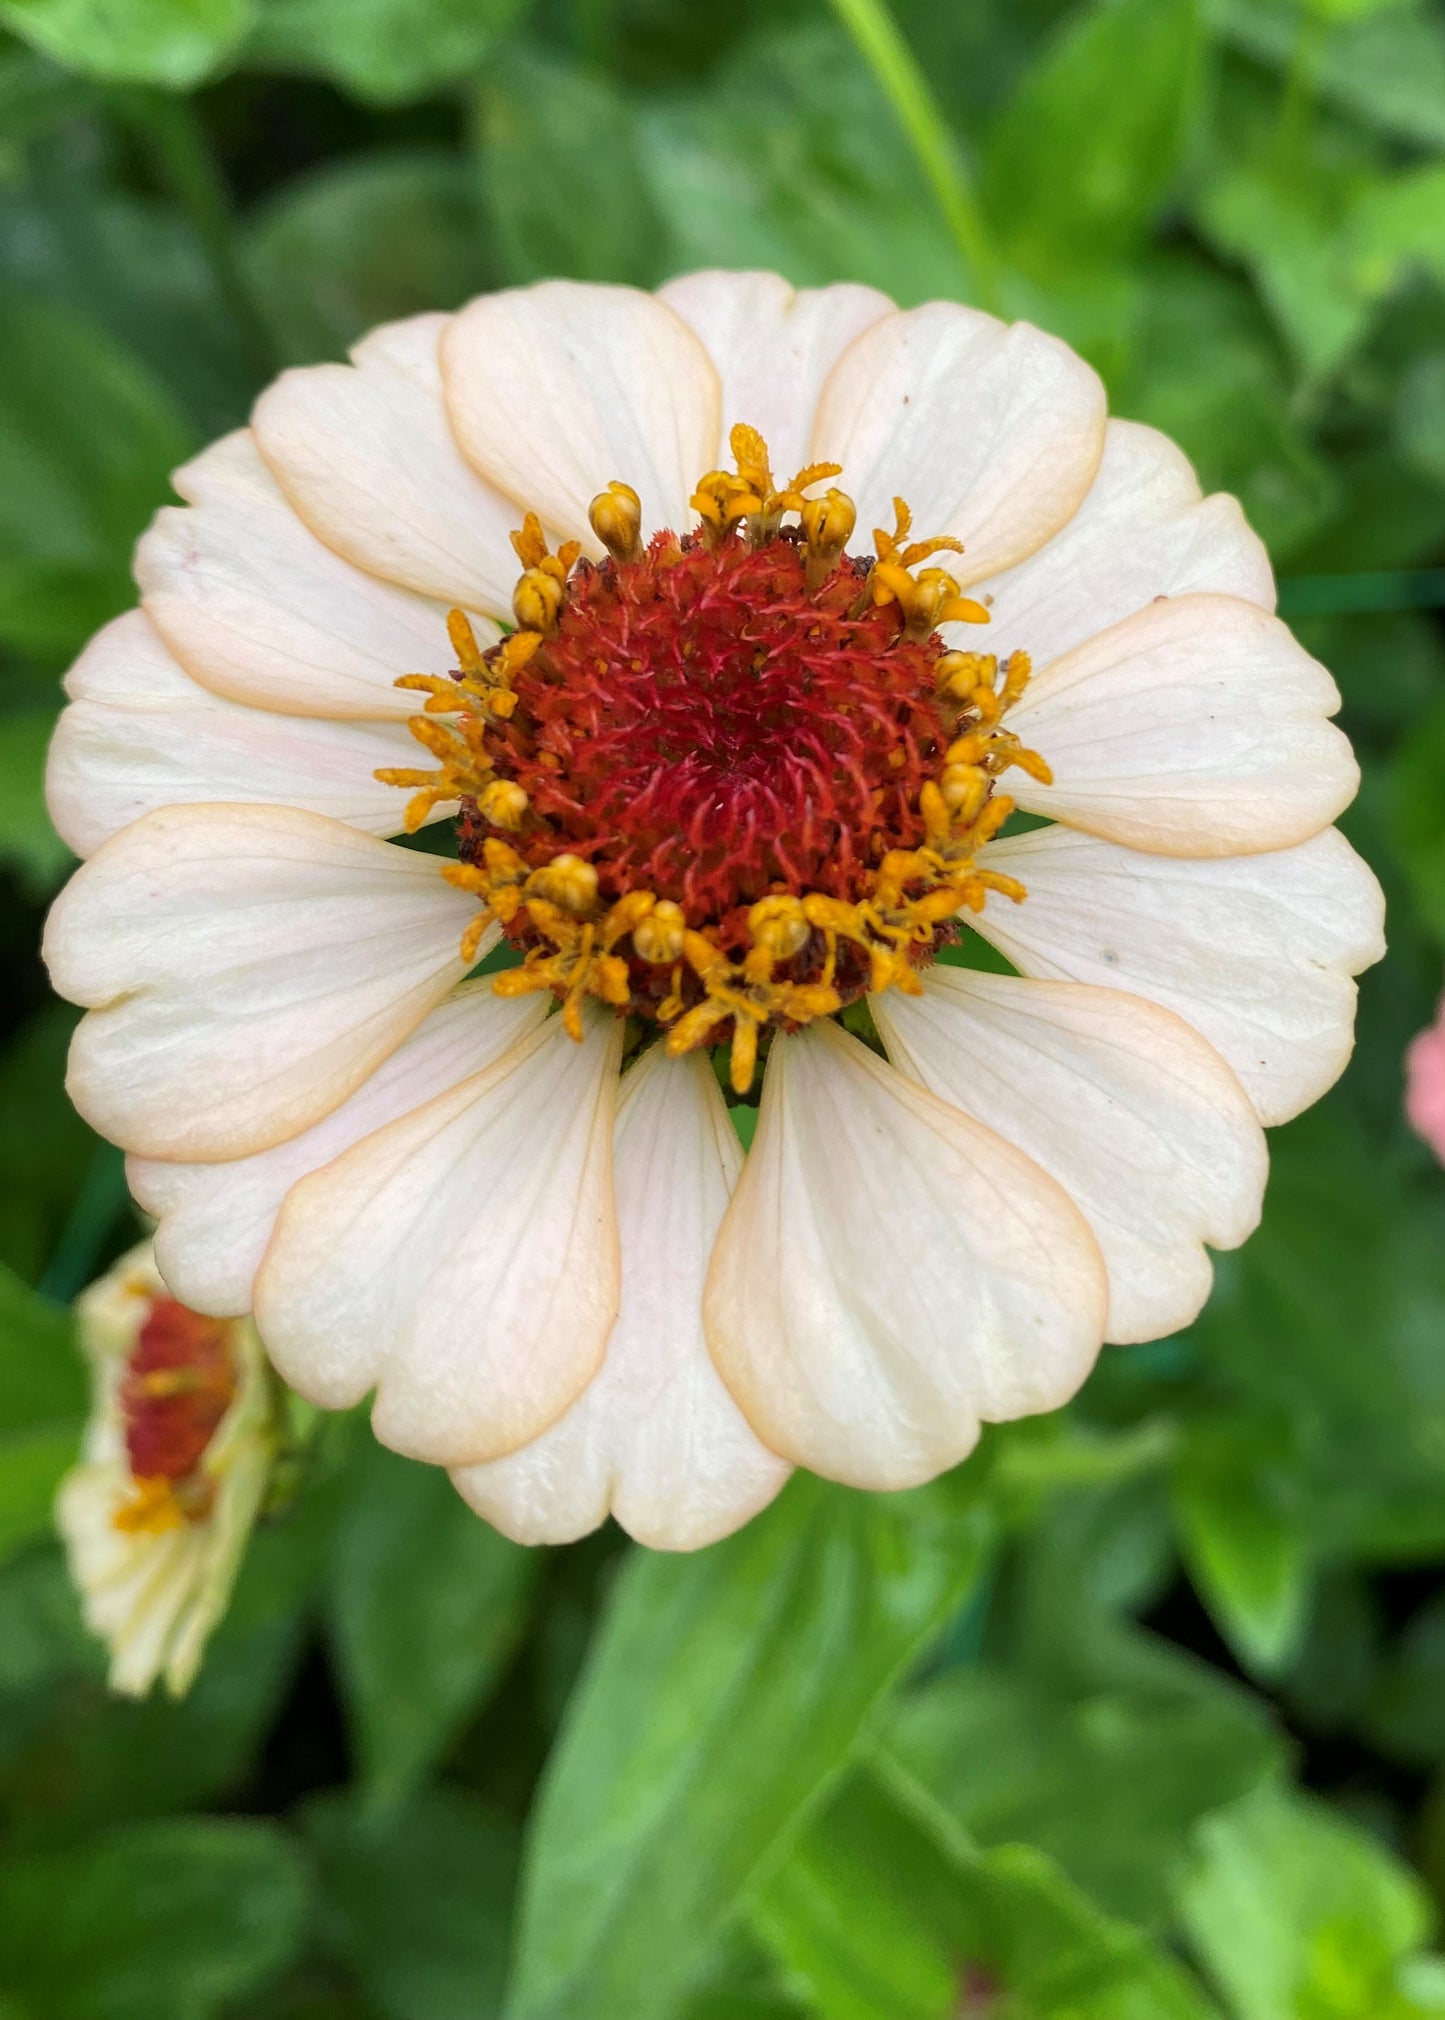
178	1384
704	724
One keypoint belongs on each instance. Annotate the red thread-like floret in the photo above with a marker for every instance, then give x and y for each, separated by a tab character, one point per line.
177	1387
703	725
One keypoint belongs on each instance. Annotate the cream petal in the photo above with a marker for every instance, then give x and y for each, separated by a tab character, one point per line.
463	1260
214	1220
246	968
992	432
654	1438
1197	727
773	346
256	607
366	455
1256	952
1139	1120
1144	530
890	1273
164	741
555	390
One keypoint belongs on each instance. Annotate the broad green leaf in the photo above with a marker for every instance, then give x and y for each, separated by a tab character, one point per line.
1295	1912
366	240
1076	169
159	1921
1418	810
28	843
1405	1716
1399	224
87	440
170	42
1387	69
883	1910
1329	1321
385	51
1420	414
547	133
417	1904
1243	1547
426	1604
725	1691
793	160
42	1377
1108	1782
32	1465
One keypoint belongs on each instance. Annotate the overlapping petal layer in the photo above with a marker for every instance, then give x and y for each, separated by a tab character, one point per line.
216	1219
890	1274
1256	952
555	390
1144	530
245	968
991	431
365	454
1141	1122
773	347
463	1260
654	1439
257	608
1197	727
140	734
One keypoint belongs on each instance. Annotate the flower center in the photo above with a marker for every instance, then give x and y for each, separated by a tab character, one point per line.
178	1384
730	780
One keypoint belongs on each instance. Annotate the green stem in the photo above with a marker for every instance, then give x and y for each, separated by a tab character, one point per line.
97	1208
172	132
902	79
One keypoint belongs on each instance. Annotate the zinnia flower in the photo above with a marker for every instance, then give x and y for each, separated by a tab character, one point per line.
177	1456
727	786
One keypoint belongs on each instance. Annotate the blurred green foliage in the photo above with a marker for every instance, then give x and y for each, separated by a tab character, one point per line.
1141	1715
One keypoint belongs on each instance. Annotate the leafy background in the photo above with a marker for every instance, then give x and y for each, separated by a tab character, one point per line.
1141	1714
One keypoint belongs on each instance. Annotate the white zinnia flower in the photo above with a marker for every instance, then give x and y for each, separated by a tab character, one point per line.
731	781
177	1455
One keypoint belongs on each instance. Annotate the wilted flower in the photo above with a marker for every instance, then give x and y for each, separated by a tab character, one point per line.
177	1455
731	780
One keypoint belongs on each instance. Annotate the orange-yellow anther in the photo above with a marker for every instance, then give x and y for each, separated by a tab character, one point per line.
828	524
464	642
503	803
658	937
537	601
779	926
616	518
568	882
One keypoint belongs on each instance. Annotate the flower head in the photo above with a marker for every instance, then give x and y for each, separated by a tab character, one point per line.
730	628
177	1455
1425	1084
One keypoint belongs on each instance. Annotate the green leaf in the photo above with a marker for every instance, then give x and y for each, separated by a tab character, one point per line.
725	1691
1420	414
1388	69
793	160
32	1464
883	1910
1295	1912
87	440
426	1604
1076	169
417	1904
1399	224
161	1921
561	178
28	843
386	51
1405	1716
1244	1549
42	1377
170	42
365	240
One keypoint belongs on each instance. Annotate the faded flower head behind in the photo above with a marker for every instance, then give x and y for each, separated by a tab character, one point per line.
177	1456
727	773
